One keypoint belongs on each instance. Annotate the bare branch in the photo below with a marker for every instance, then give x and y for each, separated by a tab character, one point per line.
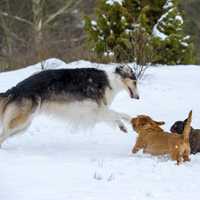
5	14
66	8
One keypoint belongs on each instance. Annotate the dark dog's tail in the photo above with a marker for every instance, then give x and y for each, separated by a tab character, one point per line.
187	127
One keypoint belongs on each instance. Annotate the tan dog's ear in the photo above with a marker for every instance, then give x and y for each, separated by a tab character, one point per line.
159	123
147	126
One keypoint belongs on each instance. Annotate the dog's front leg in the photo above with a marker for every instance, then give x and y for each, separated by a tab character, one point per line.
125	117
186	155
138	145
114	117
121	126
121	116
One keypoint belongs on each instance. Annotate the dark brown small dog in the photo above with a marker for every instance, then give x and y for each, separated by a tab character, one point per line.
194	138
154	140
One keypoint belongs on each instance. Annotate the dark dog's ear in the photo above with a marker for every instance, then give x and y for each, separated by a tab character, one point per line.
184	122
177	127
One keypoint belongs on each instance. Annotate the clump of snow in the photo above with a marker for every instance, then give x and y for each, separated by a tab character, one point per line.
49	162
94	23
109	53
111	2
123	18
187	37
128	31
157	33
168	4
179	18
52	63
185	44
169	7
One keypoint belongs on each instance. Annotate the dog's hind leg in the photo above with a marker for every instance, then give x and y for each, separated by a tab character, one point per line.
176	155
16	118
186	155
14	126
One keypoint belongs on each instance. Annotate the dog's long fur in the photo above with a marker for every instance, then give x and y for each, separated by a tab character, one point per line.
154	140
76	95
194	139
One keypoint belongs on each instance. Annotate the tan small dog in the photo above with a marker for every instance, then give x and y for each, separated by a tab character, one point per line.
154	140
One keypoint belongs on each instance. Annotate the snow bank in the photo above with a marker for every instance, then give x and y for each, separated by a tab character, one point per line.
50	162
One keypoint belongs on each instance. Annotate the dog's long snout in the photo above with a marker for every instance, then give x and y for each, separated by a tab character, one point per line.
131	85
136	94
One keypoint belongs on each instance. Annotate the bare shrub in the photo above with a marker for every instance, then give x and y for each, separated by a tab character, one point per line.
139	50
142	51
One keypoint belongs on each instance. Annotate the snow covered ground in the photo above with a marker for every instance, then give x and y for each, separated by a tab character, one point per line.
51	162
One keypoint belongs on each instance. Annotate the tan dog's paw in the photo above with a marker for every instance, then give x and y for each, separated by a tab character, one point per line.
135	150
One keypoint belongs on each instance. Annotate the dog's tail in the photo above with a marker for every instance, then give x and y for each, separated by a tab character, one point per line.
187	127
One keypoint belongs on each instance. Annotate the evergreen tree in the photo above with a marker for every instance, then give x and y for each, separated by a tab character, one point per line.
172	45
116	23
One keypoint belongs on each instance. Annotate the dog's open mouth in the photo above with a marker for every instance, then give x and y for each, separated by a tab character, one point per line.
131	93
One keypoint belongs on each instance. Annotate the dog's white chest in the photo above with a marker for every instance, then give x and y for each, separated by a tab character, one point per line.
81	113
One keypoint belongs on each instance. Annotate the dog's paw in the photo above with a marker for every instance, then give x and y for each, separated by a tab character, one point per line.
186	159
123	128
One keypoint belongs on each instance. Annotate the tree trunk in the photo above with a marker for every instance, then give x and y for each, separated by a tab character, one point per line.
37	9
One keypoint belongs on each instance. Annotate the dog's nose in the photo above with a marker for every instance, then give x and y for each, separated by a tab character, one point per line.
137	97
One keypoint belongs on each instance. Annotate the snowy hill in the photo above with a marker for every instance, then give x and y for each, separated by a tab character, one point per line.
52	162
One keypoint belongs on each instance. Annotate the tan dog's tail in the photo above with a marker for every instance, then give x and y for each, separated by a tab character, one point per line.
187	127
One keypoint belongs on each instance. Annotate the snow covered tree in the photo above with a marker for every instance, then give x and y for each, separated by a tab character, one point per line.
111	33
171	44
117	21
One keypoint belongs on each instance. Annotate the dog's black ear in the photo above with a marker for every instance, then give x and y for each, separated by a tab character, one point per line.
119	69
125	71
177	127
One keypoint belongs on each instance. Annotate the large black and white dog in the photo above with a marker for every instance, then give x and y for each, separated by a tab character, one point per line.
77	95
